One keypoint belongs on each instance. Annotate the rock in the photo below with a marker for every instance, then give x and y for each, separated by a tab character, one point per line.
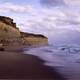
8	21
10	34
23	34
34	39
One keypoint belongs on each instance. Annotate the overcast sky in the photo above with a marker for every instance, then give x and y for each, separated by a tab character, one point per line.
43	16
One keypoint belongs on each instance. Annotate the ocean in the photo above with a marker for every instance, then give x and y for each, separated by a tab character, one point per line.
67	62
63	54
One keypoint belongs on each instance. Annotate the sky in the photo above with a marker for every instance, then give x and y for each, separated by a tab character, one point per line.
43	16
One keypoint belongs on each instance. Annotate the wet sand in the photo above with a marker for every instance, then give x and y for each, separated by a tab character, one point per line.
16	65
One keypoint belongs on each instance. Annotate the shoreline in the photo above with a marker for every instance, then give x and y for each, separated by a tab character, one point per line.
17	65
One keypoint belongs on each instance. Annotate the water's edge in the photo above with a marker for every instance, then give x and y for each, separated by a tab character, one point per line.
65	59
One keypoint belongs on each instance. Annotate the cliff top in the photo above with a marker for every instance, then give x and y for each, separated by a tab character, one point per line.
32	35
7	21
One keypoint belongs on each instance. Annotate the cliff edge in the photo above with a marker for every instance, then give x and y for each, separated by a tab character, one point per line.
11	35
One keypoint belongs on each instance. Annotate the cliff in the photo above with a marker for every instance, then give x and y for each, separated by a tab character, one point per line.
10	34
34	39
7	21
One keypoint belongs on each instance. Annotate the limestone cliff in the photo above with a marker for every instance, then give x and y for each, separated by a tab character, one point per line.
10	34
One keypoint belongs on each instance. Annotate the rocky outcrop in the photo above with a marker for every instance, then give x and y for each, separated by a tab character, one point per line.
10	34
8	21
34	39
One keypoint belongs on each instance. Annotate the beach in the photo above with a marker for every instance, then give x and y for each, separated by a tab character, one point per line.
17	65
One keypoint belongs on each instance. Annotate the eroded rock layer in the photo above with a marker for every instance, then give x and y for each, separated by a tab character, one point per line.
10	34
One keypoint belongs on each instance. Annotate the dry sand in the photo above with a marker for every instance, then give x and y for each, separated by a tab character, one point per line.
16	65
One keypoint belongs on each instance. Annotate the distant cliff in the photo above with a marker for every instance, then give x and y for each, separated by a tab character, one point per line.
34	39
10	34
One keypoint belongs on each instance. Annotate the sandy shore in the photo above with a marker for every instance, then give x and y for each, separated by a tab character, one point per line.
16	65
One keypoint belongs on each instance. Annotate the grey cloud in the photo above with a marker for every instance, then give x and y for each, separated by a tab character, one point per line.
52	3
74	22
68	22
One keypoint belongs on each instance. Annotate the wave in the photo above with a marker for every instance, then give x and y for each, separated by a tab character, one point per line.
65	58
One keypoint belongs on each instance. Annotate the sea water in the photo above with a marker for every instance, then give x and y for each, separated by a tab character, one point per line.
64	58
62	53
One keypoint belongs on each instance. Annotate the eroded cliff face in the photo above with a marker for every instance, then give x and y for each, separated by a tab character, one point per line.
34	39
10	34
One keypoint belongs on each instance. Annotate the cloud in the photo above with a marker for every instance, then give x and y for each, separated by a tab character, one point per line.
43	20
52	3
51	21
72	2
68	22
58	3
10	7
